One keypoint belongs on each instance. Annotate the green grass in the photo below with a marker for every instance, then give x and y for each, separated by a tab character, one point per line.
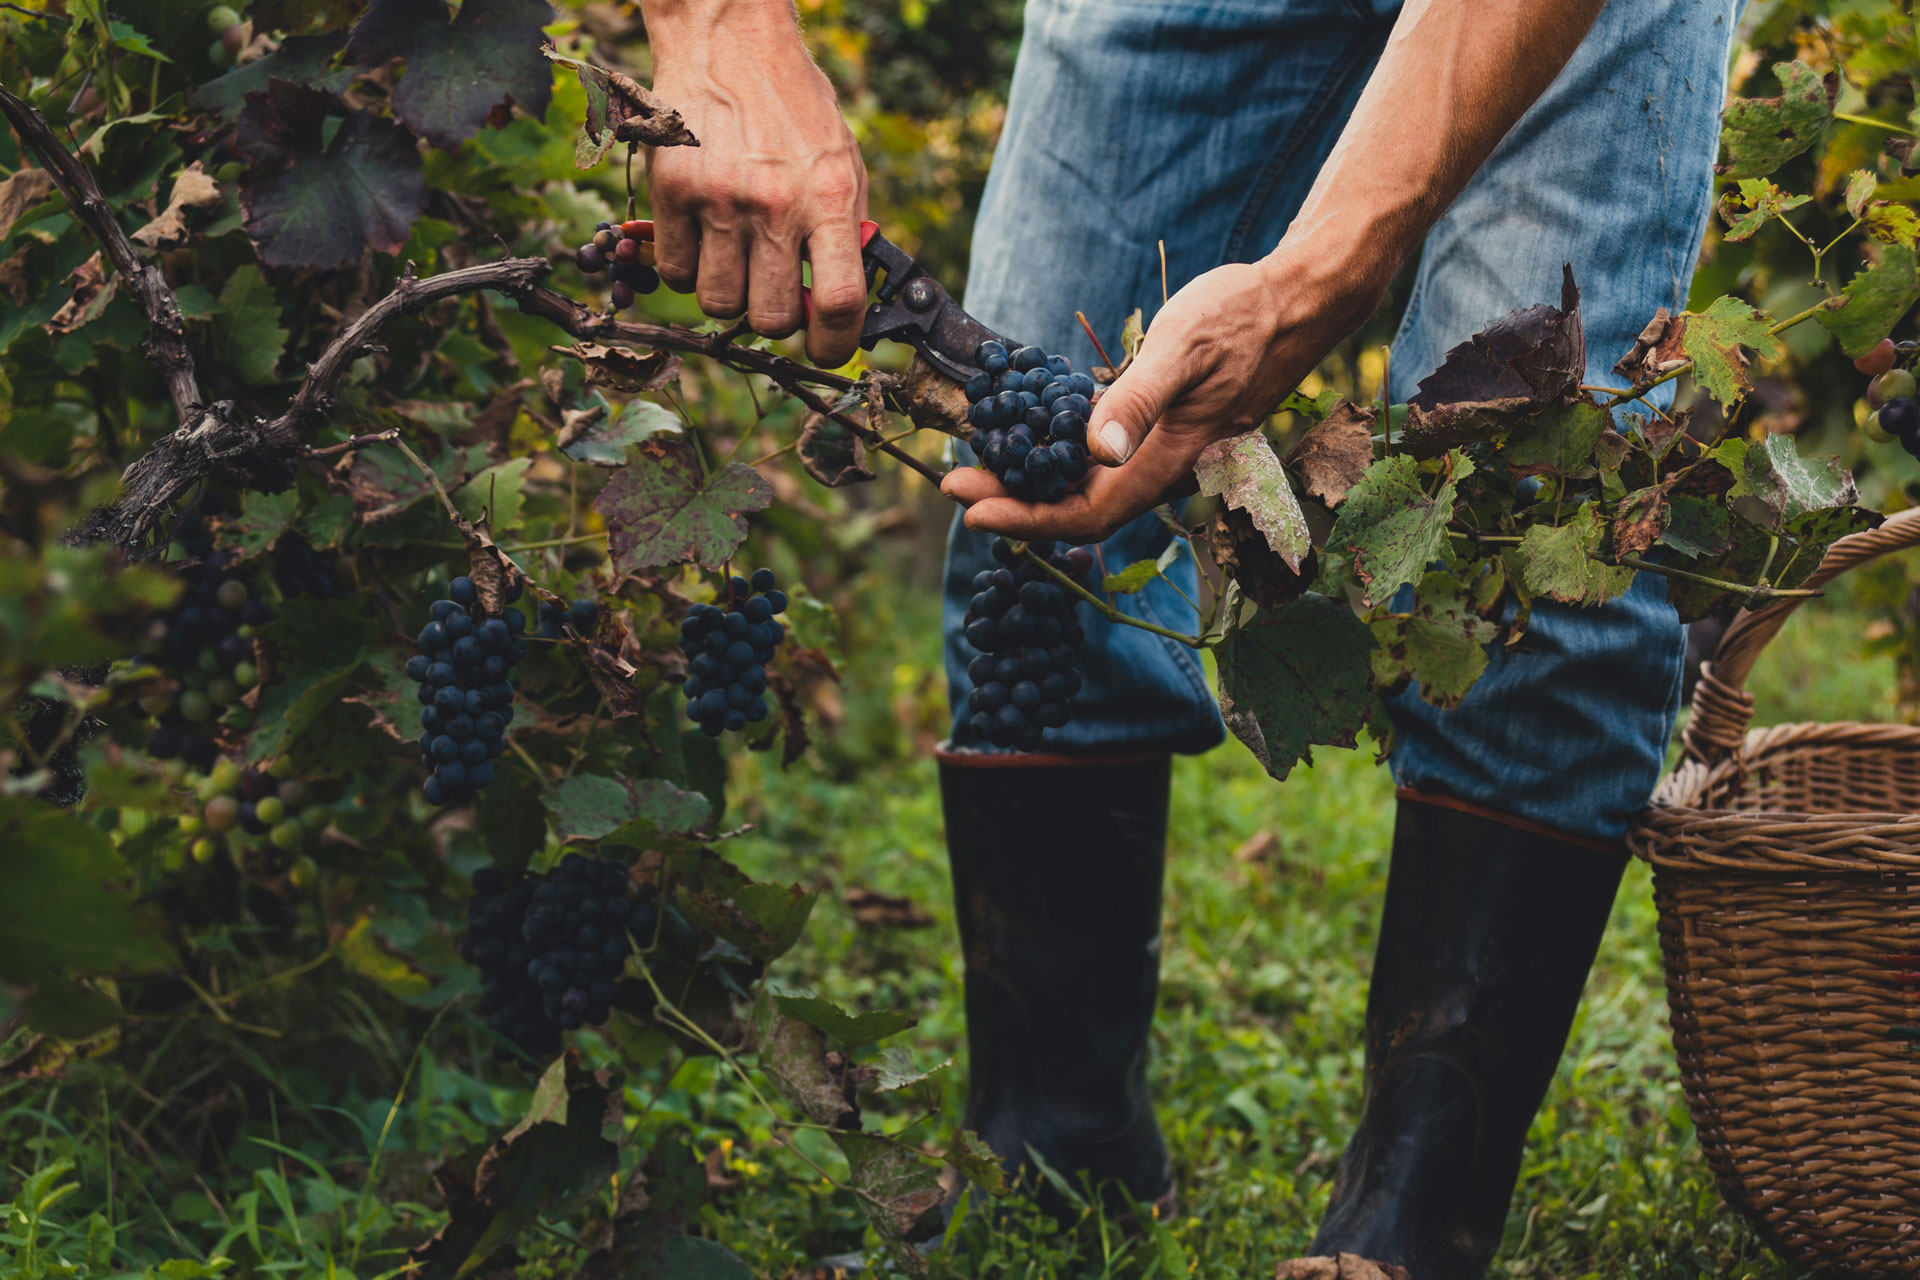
1256	1050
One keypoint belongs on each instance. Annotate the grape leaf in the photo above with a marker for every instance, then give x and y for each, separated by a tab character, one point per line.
1441	642
618	108
1296	678
1696	526
322	186
831	453
1134	577
1875	300
975	1161
459	67
660	510
1893	223
1712	340
263	518
247	333
851	1030
300	60
301	15
289	707
1781	483
1761	134
897	1070
1557	562
1244	473
61	909
1336	452
604	444
898	1190
1755	203
494	493
1558	442
564	1148
793	1054
763	920
589	807
1861	184
1390	525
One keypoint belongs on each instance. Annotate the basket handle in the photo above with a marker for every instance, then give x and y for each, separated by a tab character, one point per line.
1722	707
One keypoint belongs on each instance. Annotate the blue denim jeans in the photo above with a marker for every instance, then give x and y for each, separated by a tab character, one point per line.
1203	124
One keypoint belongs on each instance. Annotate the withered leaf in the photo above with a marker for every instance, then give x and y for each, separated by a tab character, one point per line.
193	189
1336	452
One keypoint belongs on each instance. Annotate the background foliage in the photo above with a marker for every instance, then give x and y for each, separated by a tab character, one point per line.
234	1066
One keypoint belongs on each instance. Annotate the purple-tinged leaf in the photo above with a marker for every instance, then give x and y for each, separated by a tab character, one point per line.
660	510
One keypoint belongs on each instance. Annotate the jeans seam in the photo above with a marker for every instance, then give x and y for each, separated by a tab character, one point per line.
1278	162
1182	655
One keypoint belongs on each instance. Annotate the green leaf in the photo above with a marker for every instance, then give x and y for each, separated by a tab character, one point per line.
263	518
1712	340
1781	485
563	1150
1441	643
1761	134
1132	334
1559	441
1391	527
975	1161
1133	578
1875	300
1696	526
70	1010
589	807
763	920
289	708
134	42
898	1190
300	60
247	333
318	195
897	1070
64	907
1244	473
495	492
1296	678
849	1029
660	510
606	445
1557	562
1756	203
459	67
793	1054
1861	184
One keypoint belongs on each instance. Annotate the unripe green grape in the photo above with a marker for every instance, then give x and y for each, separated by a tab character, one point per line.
1895	384
195	706
316	818
225	775
232	594
245	674
194	678
191	824
220	17
204	851
221	691
208	661
294	792
287	835
230	171
270	809
281	769
219	55
245	631
304	873
173	859
157	704
222	812
1875	432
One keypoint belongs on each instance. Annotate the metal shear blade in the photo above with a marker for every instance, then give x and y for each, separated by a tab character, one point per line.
911	306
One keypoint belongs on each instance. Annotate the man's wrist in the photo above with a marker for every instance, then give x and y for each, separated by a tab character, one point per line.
676	25
1330	281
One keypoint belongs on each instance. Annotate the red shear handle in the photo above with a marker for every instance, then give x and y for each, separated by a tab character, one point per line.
868	230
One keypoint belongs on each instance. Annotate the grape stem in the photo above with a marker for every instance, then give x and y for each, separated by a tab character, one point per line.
1640	389
1755	594
1110	612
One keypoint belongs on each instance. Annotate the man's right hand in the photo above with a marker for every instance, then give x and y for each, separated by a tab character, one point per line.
777	176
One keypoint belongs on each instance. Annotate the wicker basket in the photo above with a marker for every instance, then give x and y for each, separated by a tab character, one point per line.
1787	874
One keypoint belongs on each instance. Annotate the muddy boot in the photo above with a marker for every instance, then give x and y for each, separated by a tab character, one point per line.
1485	942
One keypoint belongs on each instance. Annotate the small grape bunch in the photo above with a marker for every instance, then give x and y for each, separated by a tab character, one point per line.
1022	622
243	809
727	653
1891	393
205	644
625	252
554	617
1029	411
223	22
495	945
466	701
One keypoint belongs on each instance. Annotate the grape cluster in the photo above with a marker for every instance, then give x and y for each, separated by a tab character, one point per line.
728	651
206	644
242	810
625	252
223	22
1891	393
1029	412
1022	623
550	947
580	615
466	703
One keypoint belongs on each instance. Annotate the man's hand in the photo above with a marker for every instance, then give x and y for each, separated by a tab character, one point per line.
777	176
1220	355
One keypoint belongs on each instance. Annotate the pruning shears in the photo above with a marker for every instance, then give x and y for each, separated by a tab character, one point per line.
908	306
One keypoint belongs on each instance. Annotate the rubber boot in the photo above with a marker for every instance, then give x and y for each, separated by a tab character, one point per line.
1485	942
1057	870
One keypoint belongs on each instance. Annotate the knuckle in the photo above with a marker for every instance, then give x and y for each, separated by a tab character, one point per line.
836	190
840	301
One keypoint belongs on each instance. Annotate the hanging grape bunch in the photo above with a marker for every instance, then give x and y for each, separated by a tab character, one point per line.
466	702
1022	623
1896	415
554	617
550	947
1030	411
268	814
205	643
223	22
625	252
727	654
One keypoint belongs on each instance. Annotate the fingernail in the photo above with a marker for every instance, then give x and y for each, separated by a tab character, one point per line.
1114	436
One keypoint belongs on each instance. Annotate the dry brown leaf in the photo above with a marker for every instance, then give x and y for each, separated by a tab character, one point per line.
193	189
1336	452
92	291
1655	351
869	906
26	188
13	277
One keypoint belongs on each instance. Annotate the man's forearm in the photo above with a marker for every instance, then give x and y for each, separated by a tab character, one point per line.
683	28
1454	78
